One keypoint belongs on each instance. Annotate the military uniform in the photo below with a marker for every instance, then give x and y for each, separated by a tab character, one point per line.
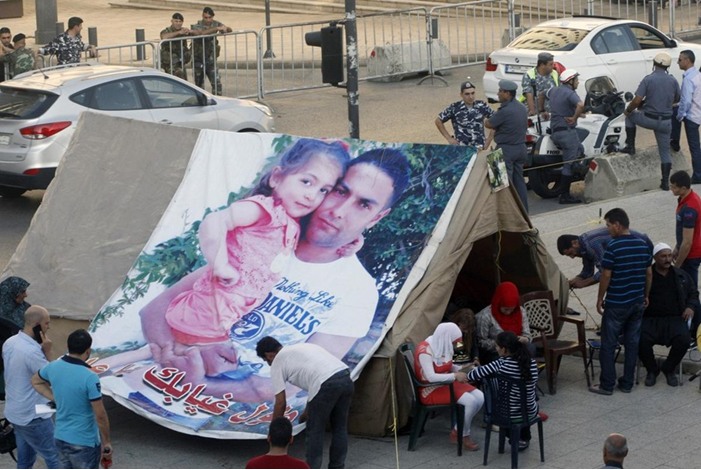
510	123
67	48
468	122
543	83
205	52
175	54
21	60
660	91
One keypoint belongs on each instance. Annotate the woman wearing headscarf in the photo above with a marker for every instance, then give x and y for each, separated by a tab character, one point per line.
433	361
13	291
504	314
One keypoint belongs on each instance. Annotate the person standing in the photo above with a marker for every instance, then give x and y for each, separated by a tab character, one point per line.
615	450
175	54
280	439
5	49
625	281
673	300
566	107
82	427
510	123
330	389
660	91
536	82
689	112
24	354
206	50
69	46
467	117
22	59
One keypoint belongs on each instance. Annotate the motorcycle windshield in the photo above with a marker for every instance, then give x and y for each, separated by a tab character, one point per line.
599	86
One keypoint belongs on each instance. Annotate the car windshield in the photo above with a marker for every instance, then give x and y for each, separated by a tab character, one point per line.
24	104
550	39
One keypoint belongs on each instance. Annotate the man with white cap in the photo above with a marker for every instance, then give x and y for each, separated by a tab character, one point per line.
660	90
566	107
510	123
672	301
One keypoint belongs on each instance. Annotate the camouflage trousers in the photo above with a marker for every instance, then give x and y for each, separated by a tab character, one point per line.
210	70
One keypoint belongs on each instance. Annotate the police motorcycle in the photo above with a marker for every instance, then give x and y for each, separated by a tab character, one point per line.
600	130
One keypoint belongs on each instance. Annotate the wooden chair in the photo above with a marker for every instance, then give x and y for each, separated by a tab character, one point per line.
420	411
498	411
544	320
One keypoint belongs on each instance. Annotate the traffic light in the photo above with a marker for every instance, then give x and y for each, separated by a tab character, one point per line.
331	42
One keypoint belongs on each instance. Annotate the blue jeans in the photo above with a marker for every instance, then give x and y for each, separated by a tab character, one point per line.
36	437
692	137
332	402
75	456
619	321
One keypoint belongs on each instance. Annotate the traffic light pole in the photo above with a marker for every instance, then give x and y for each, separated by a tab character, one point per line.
352	70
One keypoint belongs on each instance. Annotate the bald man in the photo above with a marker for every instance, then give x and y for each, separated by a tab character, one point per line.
615	450
24	354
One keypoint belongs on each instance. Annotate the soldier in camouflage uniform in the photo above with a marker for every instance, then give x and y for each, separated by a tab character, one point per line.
206	50
175	54
22	59
69	46
467	117
544	76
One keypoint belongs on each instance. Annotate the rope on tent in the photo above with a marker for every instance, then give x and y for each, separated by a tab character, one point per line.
394	411
589	315
497	257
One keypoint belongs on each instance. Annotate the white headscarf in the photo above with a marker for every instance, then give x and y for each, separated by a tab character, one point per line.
441	342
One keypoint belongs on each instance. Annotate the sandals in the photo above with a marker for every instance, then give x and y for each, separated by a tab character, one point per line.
467	442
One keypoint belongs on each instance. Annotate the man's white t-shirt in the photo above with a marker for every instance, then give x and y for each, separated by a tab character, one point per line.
304	365
337	298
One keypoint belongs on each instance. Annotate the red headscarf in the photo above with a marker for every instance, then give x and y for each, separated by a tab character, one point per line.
506	295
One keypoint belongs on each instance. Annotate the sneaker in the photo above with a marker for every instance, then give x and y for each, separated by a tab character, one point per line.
651	378
600	391
523	445
623	389
672	379
567	198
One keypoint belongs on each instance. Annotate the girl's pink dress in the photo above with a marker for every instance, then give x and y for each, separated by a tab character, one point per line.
257	252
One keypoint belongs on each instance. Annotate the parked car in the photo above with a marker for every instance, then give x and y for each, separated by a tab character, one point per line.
620	49
39	111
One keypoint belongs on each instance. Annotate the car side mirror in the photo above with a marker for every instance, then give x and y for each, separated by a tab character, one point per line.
628	96
673	43
211	102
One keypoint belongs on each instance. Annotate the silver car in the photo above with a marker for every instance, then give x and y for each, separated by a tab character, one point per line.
39	111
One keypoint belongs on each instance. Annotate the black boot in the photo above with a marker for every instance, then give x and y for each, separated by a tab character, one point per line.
630	141
666	170
565	196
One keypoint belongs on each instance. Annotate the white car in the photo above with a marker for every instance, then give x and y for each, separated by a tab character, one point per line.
39	111
620	49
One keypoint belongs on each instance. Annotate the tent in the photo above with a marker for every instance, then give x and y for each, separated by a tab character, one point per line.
76	251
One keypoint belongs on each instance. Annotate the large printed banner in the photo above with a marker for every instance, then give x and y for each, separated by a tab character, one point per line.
301	239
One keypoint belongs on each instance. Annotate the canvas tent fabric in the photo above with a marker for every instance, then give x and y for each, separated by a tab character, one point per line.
489	237
91	225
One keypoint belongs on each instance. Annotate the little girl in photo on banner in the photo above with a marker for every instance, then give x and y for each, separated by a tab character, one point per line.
247	244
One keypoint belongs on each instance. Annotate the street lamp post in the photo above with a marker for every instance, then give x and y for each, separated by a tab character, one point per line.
269	54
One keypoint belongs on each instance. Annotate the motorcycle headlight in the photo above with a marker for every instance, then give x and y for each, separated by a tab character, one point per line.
612	139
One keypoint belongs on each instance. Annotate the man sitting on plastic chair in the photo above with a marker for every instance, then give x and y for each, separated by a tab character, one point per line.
672	301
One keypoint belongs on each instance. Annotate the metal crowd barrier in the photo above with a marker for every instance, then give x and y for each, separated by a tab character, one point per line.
138	54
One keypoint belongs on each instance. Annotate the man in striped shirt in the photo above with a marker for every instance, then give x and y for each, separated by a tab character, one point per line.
626	277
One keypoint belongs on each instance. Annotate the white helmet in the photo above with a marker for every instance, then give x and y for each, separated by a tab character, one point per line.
567	75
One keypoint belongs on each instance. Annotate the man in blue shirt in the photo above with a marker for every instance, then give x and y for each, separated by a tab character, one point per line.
566	107
467	117
625	281
24	356
689	112
80	412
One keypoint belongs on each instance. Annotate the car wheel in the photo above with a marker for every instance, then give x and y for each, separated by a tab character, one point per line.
9	192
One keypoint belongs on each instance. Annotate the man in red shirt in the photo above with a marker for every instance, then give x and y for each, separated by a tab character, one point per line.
280	438
687	252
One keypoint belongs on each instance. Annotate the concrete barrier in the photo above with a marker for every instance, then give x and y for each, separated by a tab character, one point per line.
619	174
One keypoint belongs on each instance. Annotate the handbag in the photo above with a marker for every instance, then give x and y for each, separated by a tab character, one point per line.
7	438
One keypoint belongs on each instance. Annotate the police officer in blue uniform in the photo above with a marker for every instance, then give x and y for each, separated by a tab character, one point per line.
566	106
467	118
510	123
660	90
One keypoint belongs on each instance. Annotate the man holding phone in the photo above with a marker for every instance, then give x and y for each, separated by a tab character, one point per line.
24	354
